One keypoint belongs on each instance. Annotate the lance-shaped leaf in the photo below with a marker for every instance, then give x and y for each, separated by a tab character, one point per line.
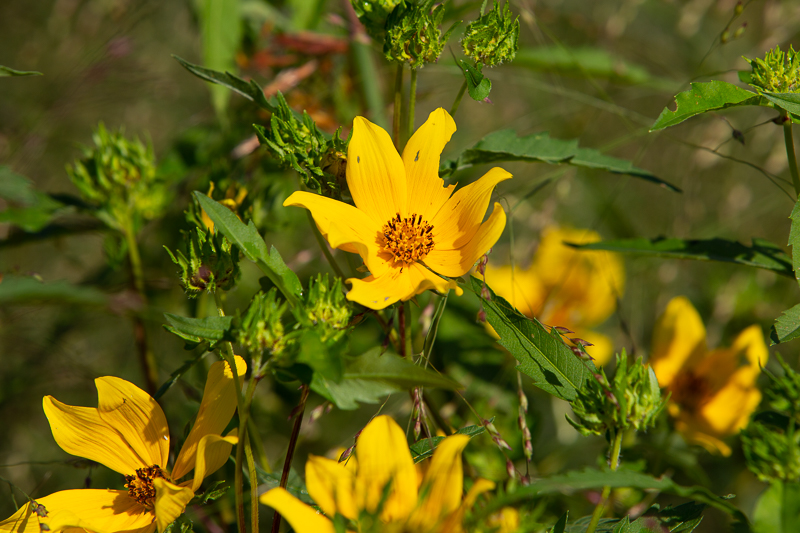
196	330
786	326
369	378
424	448
542	356
788	101
8	72
25	289
762	254
704	97
247	238
250	90
220	26
504	145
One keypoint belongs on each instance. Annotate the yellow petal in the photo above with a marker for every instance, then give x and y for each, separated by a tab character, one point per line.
458	220
136	416
444	481
378	292
216	411
80	431
457	262
330	485
375	172
426	190
170	502
753	353
522	289
99	511
344	227
679	339
454	521
212	452
384	457
300	516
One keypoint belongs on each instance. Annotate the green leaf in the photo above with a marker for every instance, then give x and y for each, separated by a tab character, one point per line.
786	327
542	356
316	354
762	254
212	328
370	377
478	86
7	71
703	97
221	30
250	90
421	449
778	509
794	239
33	209
561	524
504	145
175	376
294	484
16	289
788	101
247	238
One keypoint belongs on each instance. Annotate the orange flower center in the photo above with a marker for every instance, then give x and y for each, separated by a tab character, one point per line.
140	487
409	239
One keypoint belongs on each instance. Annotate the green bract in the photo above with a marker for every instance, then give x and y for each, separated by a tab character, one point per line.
327	308
212	262
492	39
632	401
778	72
413	35
373	14
261	332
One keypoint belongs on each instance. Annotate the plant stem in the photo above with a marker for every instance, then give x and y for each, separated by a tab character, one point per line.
324	246
258	446
398	105
146	357
287	463
406	339
790	155
616	446
459	96
243	448
412	102
401	329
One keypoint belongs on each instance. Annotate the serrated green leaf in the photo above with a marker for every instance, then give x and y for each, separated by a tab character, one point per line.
542	356
788	101
9	72
314	353
422	449
778	509
247	238
369	378
250	90
762	254
16	289
703	97
478	86
175	376
212	328
504	145
220	29
786	326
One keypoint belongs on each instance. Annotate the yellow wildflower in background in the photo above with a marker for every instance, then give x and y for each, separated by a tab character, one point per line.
565	287
408	228
357	488
234	197
128	433
713	393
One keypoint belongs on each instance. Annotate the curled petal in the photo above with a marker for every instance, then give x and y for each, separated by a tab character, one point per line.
170	502
378	292
212	452
444	480
300	516
679	339
136	416
80	431
216	411
330	485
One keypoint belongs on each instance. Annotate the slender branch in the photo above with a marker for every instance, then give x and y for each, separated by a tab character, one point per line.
251	468
459	96
790	155
616	446
412	102
401	329
287	463
258	446
398	105
324	246
244	452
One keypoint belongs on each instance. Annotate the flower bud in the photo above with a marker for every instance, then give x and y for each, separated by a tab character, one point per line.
493	38
261	332
327	308
778	72
212	262
413	35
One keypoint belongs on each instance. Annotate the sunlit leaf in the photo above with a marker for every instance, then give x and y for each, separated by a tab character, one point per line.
762	254
786	327
542	356
314	353
703	97
250	90
788	101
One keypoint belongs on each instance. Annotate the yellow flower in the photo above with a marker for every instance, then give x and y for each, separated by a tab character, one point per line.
381	479
565	287
233	200
405	224
713	393
128	433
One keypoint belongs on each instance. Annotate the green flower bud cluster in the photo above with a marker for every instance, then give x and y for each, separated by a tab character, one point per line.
493	38
413	35
373	15
327	308
633	400
771	441
301	146
119	177
778	72
212	262
261	332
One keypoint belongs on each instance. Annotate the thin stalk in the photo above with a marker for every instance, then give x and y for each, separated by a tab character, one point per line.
616	446
146	357
408	349
459	96
324	246
412	102
258	447
398	105
401	329
287	463
251	468
244	452
790	155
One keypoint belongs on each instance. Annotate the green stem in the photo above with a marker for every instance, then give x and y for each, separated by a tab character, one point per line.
406	340
261	454
616	447
287	463
459	96
398	105
248	452
412	102
238	482
787	138
324	246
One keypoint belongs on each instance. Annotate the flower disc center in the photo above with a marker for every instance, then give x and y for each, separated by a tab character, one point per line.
691	391
141	487
409	239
